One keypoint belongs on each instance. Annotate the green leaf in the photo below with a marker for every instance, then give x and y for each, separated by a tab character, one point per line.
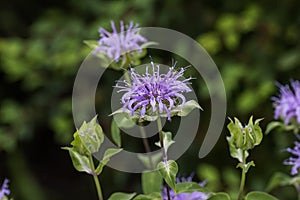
123	119
152	196
181	110
186	108
145	159
189	187
234	152
91	135
91	43
151	182
247	166
107	155
259	196
273	125
167	141
168	171
121	196
115	133
277	180
220	196
80	162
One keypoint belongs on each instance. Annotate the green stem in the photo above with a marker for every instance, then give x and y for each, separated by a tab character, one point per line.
165	157
146	145
96	178
243	178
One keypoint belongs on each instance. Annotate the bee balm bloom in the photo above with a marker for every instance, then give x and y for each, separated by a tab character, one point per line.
4	189
115	44
155	92
294	161
287	104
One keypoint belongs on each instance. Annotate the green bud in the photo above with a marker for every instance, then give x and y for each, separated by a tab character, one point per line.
91	135
244	137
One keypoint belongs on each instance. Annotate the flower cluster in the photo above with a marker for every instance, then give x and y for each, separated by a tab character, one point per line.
295	161
287	104
4	189
185	196
115	44
154	92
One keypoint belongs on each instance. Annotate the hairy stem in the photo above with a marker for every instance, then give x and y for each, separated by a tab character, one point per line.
96	179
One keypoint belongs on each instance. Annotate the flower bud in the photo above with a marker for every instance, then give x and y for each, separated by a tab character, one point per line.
244	137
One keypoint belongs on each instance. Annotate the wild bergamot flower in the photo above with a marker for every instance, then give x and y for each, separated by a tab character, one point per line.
287	104
154	93
115	44
4	189
294	161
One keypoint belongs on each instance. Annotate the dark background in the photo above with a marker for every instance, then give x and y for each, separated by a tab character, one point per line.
254	44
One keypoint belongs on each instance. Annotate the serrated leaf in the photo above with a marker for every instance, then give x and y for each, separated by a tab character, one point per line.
155	159
151	182
152	196
121	196
107	155
115	133
168	171
278	180
259	196
273	125
80	162
220	196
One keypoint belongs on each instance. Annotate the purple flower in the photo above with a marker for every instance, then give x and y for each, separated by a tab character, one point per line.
287	104
184	196
4	189
191	196
115	44
154	92
295	161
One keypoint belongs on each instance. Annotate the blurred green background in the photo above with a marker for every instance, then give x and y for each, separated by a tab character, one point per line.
254	44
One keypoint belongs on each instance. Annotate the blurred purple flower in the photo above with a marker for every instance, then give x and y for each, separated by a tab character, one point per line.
160	92
295	161
287	104
185	196
191	196
4	189
115	44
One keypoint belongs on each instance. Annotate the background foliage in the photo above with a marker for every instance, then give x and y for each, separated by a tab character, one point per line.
254	44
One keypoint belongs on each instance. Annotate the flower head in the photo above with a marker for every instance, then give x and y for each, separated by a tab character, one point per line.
4	189
287	104
154	92
115	44
185	196
295	161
